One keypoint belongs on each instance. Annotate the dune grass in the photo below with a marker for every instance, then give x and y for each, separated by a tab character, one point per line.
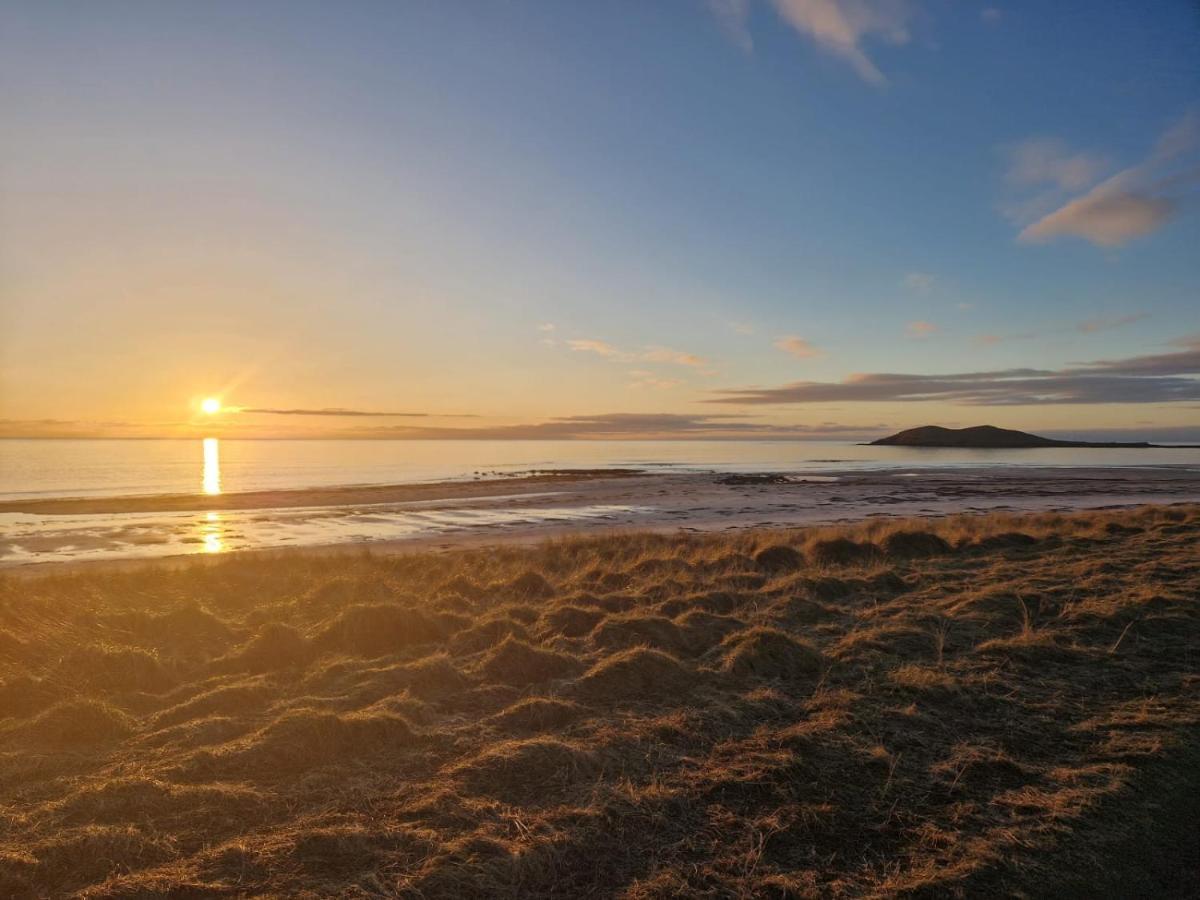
965	706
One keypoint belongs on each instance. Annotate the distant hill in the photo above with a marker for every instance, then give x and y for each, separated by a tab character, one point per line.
986	436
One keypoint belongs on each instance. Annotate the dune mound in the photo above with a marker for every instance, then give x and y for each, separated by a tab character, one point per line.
226	699
532	770
136	799
571	621
488	633
842	552
305	739
114	669
91	853
460	586
529	586
704	630
537	714
22	696
276	646
635	673
770	653
1008	540
915	544
516	662
377	629
74	723
779	558
633	630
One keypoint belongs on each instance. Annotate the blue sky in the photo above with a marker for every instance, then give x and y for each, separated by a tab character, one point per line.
375	206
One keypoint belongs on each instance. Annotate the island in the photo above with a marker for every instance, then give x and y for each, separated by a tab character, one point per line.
991	437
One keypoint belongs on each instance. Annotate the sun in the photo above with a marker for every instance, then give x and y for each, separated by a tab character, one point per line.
210	405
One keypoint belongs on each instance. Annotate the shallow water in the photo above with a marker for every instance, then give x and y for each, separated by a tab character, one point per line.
31	538
100	468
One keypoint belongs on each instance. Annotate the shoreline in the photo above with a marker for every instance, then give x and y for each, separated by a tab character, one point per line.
291	498
507	512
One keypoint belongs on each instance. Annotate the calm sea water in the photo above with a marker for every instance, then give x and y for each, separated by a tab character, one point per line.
93	468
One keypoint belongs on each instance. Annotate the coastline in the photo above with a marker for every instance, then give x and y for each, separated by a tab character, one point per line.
522	510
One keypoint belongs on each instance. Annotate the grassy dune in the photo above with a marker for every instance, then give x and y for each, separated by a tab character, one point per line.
967	706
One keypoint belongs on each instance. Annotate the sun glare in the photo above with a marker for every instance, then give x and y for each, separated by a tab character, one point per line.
211	405
212	466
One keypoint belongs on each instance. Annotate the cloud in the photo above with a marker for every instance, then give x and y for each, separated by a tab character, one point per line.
546	326
1105	217
798	347
1039	161
732	16
1156	378
631	426
1145	431
328	411
921	330
840	26
678	357
987	340
1088	326
600	348
650	381
742	327
1133	203
990	15
653	354
1107	323
837	26
921	282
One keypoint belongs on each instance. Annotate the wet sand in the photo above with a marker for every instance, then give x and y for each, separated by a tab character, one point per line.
545	505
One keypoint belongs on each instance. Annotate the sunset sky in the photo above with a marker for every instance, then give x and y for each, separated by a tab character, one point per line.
520	219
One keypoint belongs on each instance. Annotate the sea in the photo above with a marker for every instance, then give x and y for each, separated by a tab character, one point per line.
32	470
118	468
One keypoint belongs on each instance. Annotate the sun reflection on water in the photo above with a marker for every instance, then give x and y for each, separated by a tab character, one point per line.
210	533
212	466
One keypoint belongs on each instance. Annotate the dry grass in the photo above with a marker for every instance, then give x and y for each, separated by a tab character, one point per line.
955	707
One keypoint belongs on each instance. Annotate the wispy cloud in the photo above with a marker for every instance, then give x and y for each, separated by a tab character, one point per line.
1133	203
921	282
840	27
990	15
920	330
1156	378
618	426
988	339
798	347
1088	326
677	357
1041	161
546	326
654	354
732	16
328	411
644	380
1107	323
600	348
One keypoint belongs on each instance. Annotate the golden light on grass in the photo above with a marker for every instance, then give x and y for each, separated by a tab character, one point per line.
210	405
212	466
842	682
